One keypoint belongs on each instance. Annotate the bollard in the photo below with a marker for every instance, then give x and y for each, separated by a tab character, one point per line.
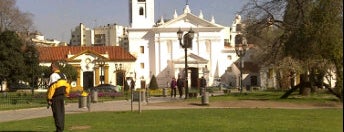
139	101
94	94
89	103
164	92
82	101
205	98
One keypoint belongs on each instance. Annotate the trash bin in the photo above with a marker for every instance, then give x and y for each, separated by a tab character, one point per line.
202	91
83	99
136	95
205	98
94	96
164	92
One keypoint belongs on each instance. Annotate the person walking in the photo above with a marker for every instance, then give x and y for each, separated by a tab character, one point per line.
180	85
58	89
173	87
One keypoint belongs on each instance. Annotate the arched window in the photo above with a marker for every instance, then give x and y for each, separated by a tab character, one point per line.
141	11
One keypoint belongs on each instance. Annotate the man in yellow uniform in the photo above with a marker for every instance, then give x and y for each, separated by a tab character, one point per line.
58	89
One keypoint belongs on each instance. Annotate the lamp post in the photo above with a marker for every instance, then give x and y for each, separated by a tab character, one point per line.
101	63
42	81
187	43
131	94
32	55
240	50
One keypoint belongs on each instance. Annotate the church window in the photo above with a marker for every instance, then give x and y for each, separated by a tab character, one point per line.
142	49
141	11
142	65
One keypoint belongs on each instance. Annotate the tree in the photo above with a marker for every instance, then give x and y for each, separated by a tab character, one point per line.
69	71
310	33
327	32
11	18
12	66
153	83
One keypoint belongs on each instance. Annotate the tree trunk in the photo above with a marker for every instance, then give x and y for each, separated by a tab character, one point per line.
286	94
303	86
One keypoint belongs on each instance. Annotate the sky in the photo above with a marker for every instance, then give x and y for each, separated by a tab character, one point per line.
55	19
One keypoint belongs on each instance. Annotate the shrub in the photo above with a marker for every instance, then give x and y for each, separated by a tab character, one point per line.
153	83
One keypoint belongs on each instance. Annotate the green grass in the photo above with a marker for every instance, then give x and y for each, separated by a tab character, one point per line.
217	120
193	120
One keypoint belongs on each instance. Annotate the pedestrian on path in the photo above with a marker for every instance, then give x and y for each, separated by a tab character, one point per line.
180	85
173	87
58	89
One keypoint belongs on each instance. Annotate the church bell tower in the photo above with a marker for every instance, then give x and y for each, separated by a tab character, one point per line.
141	13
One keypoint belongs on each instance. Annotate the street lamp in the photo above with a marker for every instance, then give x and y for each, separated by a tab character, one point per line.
187	43
240	50
131	93
101	63
32	56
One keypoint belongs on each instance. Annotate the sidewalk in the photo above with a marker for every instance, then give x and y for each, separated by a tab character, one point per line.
121	105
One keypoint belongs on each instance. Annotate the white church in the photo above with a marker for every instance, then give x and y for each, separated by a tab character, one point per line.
158	52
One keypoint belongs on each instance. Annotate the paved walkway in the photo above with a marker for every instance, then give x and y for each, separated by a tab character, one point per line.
120	105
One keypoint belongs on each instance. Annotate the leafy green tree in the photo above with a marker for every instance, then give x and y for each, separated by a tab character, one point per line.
316	38
12	66
69	71
310	32
31	66
327	33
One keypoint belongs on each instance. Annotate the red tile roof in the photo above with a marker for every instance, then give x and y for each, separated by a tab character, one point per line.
116	53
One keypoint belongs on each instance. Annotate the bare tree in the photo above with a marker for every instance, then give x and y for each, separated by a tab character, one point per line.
11	18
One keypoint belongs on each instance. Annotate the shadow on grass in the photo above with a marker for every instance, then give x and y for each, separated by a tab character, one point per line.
198	104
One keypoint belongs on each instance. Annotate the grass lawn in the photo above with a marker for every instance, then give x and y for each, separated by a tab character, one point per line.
193	120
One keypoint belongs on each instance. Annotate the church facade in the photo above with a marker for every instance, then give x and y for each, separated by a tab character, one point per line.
158	51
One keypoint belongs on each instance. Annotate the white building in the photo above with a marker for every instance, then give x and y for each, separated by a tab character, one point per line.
95	64
157	49
109	35
40	40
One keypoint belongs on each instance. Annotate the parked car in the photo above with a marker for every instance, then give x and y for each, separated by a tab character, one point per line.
18	86
105	87
105	90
